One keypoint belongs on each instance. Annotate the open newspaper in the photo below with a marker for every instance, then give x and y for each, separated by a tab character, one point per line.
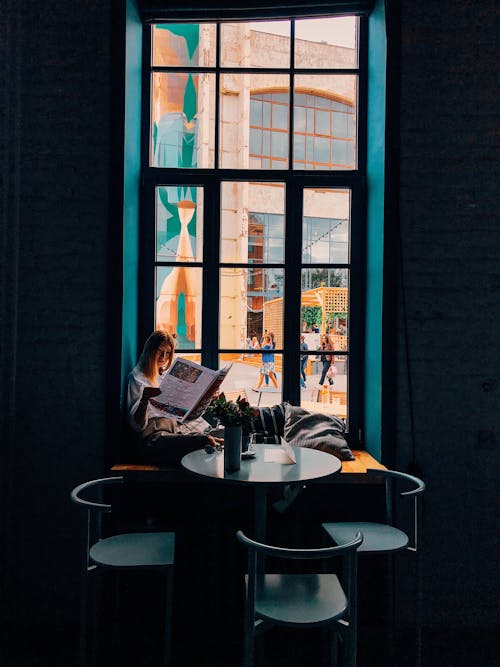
187	388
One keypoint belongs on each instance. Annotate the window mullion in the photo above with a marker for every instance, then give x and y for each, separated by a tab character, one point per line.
211	273
292	300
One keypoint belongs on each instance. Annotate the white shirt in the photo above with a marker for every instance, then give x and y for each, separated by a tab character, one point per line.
136	383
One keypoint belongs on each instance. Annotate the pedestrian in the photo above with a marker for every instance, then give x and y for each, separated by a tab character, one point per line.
325	347
303	362
267	368
272	374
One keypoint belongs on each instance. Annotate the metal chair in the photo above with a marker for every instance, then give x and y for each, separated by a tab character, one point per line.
386	538
127	551
301	600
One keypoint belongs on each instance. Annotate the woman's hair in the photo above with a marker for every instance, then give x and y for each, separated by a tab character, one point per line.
146	361
326	340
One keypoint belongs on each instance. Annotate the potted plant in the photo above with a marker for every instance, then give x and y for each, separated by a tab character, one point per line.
236	417
231	413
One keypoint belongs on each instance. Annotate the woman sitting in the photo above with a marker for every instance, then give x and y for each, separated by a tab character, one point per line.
159	440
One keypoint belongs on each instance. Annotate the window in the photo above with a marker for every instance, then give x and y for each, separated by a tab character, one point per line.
324	132
252	214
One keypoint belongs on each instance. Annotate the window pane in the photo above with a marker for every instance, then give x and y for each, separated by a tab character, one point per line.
323	122
299	116
299	149
279	145
340	126
327	42
322	150
244	109
182	127
178	304
325	304
324	115
255	141
245	376
324	398
179	223
183	45
280	116
325	226
256	112
339	152
255	44
266	143
252	222
251	301
193	356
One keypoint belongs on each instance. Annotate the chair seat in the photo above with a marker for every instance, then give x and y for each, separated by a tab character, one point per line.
299	599
377	537
135	550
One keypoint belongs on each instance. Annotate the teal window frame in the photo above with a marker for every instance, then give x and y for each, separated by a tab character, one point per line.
373	422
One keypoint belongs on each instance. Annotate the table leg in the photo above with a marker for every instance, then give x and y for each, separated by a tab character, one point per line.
260	513
260	520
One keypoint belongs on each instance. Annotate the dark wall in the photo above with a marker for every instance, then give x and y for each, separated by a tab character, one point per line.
450	233
56	113
56	105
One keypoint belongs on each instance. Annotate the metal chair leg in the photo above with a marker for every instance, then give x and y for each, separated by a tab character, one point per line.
390	610
83	647
167	643
117	604
249	638
333	646
418	629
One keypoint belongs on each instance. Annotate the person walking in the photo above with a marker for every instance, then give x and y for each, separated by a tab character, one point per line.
303	362
272	374
325	347
254	344
267	368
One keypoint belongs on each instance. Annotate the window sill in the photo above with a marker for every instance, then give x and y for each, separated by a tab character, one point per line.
354	470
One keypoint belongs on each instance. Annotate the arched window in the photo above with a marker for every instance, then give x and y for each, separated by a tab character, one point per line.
323	137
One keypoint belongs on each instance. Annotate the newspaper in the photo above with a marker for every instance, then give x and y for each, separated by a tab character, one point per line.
187	388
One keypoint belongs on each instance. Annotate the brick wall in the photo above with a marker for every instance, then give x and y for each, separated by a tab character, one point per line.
448	194
56	112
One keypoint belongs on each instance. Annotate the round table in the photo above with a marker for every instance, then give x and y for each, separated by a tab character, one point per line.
261	473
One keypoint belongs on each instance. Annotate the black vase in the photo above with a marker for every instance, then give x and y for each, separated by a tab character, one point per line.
232	448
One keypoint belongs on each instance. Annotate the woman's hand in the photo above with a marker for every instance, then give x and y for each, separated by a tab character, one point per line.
140	413
214	444
149	392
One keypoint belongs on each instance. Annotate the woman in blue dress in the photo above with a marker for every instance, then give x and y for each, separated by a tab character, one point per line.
267	368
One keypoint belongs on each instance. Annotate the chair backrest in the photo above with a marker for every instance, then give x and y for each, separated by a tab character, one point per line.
92	527
415	490
95	485
298	554
347	551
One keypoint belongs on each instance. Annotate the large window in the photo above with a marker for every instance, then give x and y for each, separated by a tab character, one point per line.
252	218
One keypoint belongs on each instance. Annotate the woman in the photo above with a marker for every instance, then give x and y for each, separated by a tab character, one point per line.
255	343
158	439
267	368
326	359
303	361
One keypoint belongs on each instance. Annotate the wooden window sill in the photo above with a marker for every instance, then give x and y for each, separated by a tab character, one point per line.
363	461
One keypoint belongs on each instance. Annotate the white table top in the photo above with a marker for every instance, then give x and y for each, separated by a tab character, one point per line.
311	464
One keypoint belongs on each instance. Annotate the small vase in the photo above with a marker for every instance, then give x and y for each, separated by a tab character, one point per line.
232	448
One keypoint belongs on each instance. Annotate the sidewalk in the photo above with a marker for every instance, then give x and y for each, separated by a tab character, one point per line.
245	377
